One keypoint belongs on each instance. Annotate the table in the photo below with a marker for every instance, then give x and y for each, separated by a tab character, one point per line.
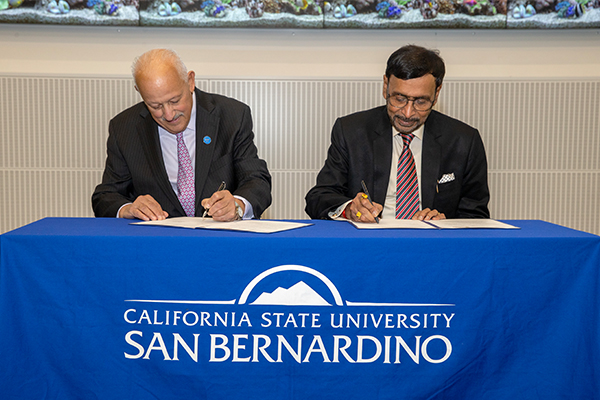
101	309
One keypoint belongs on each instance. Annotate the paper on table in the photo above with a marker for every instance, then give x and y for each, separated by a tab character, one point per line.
465	223
471	223
391	223
250	225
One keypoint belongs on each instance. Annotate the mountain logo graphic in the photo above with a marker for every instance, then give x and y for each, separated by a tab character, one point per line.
299	294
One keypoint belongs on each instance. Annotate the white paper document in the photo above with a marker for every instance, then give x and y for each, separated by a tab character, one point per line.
391	223
471	223
466	223
249	225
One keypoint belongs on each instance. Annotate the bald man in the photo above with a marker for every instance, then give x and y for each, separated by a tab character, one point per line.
181	151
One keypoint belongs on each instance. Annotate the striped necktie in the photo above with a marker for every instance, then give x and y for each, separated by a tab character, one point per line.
185	178
407	185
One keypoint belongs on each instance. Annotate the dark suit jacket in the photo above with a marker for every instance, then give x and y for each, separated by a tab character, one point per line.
361	149
135	166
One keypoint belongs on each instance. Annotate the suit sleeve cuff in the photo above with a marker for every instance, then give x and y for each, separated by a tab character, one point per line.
337	213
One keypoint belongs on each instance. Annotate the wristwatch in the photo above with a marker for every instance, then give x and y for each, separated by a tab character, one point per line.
239	213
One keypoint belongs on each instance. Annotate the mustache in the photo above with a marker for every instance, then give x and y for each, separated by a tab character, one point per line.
403	119
174	117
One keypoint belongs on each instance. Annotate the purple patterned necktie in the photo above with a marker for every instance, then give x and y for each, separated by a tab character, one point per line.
185	178
407	185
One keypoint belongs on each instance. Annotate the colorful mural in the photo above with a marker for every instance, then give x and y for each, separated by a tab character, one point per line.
346	14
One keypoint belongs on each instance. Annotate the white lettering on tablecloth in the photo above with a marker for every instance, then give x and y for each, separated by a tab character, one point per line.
257	347
287	320
266	326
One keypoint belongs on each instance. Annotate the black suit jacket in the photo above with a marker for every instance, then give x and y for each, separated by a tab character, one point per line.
361	149
135	166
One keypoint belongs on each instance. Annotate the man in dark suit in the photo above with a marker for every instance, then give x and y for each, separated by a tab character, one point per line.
169	155
447	157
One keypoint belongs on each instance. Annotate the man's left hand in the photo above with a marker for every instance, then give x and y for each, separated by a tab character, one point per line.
427	214
221	206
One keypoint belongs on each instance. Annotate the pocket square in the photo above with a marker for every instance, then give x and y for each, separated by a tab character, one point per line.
446	178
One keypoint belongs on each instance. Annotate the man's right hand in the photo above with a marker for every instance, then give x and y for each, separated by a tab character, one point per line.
361	209
144	208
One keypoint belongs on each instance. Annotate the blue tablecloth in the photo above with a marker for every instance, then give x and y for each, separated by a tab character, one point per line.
101	309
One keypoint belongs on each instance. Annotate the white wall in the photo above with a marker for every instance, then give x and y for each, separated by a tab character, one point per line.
54	117
277	53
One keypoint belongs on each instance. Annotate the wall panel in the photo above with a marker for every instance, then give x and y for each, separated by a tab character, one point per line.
541	139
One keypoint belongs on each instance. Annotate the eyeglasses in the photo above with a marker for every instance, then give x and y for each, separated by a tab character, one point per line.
419	104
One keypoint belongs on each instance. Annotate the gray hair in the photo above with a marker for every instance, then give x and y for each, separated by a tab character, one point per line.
160	56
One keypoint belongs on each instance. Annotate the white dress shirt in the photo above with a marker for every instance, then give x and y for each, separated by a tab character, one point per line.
416	145
168	145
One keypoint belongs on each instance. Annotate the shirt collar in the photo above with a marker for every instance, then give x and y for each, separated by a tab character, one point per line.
418	132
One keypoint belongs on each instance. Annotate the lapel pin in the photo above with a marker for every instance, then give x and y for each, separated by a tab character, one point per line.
206	139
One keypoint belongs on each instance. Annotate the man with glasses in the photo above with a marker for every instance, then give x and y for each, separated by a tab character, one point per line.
417	163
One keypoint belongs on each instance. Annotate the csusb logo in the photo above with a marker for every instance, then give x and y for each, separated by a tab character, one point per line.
291	322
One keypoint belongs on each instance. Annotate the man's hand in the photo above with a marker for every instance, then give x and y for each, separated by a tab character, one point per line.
427	214
361	209
221	206
144	208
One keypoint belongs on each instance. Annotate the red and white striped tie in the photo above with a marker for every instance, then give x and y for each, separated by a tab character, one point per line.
407	185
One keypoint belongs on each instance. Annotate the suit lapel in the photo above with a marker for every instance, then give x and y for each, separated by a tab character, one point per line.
207	128
382	157
148	134
431	155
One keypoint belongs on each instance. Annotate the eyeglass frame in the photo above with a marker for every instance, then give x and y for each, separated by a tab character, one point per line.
409	99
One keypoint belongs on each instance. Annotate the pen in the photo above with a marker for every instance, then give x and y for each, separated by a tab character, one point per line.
368	197
221	187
